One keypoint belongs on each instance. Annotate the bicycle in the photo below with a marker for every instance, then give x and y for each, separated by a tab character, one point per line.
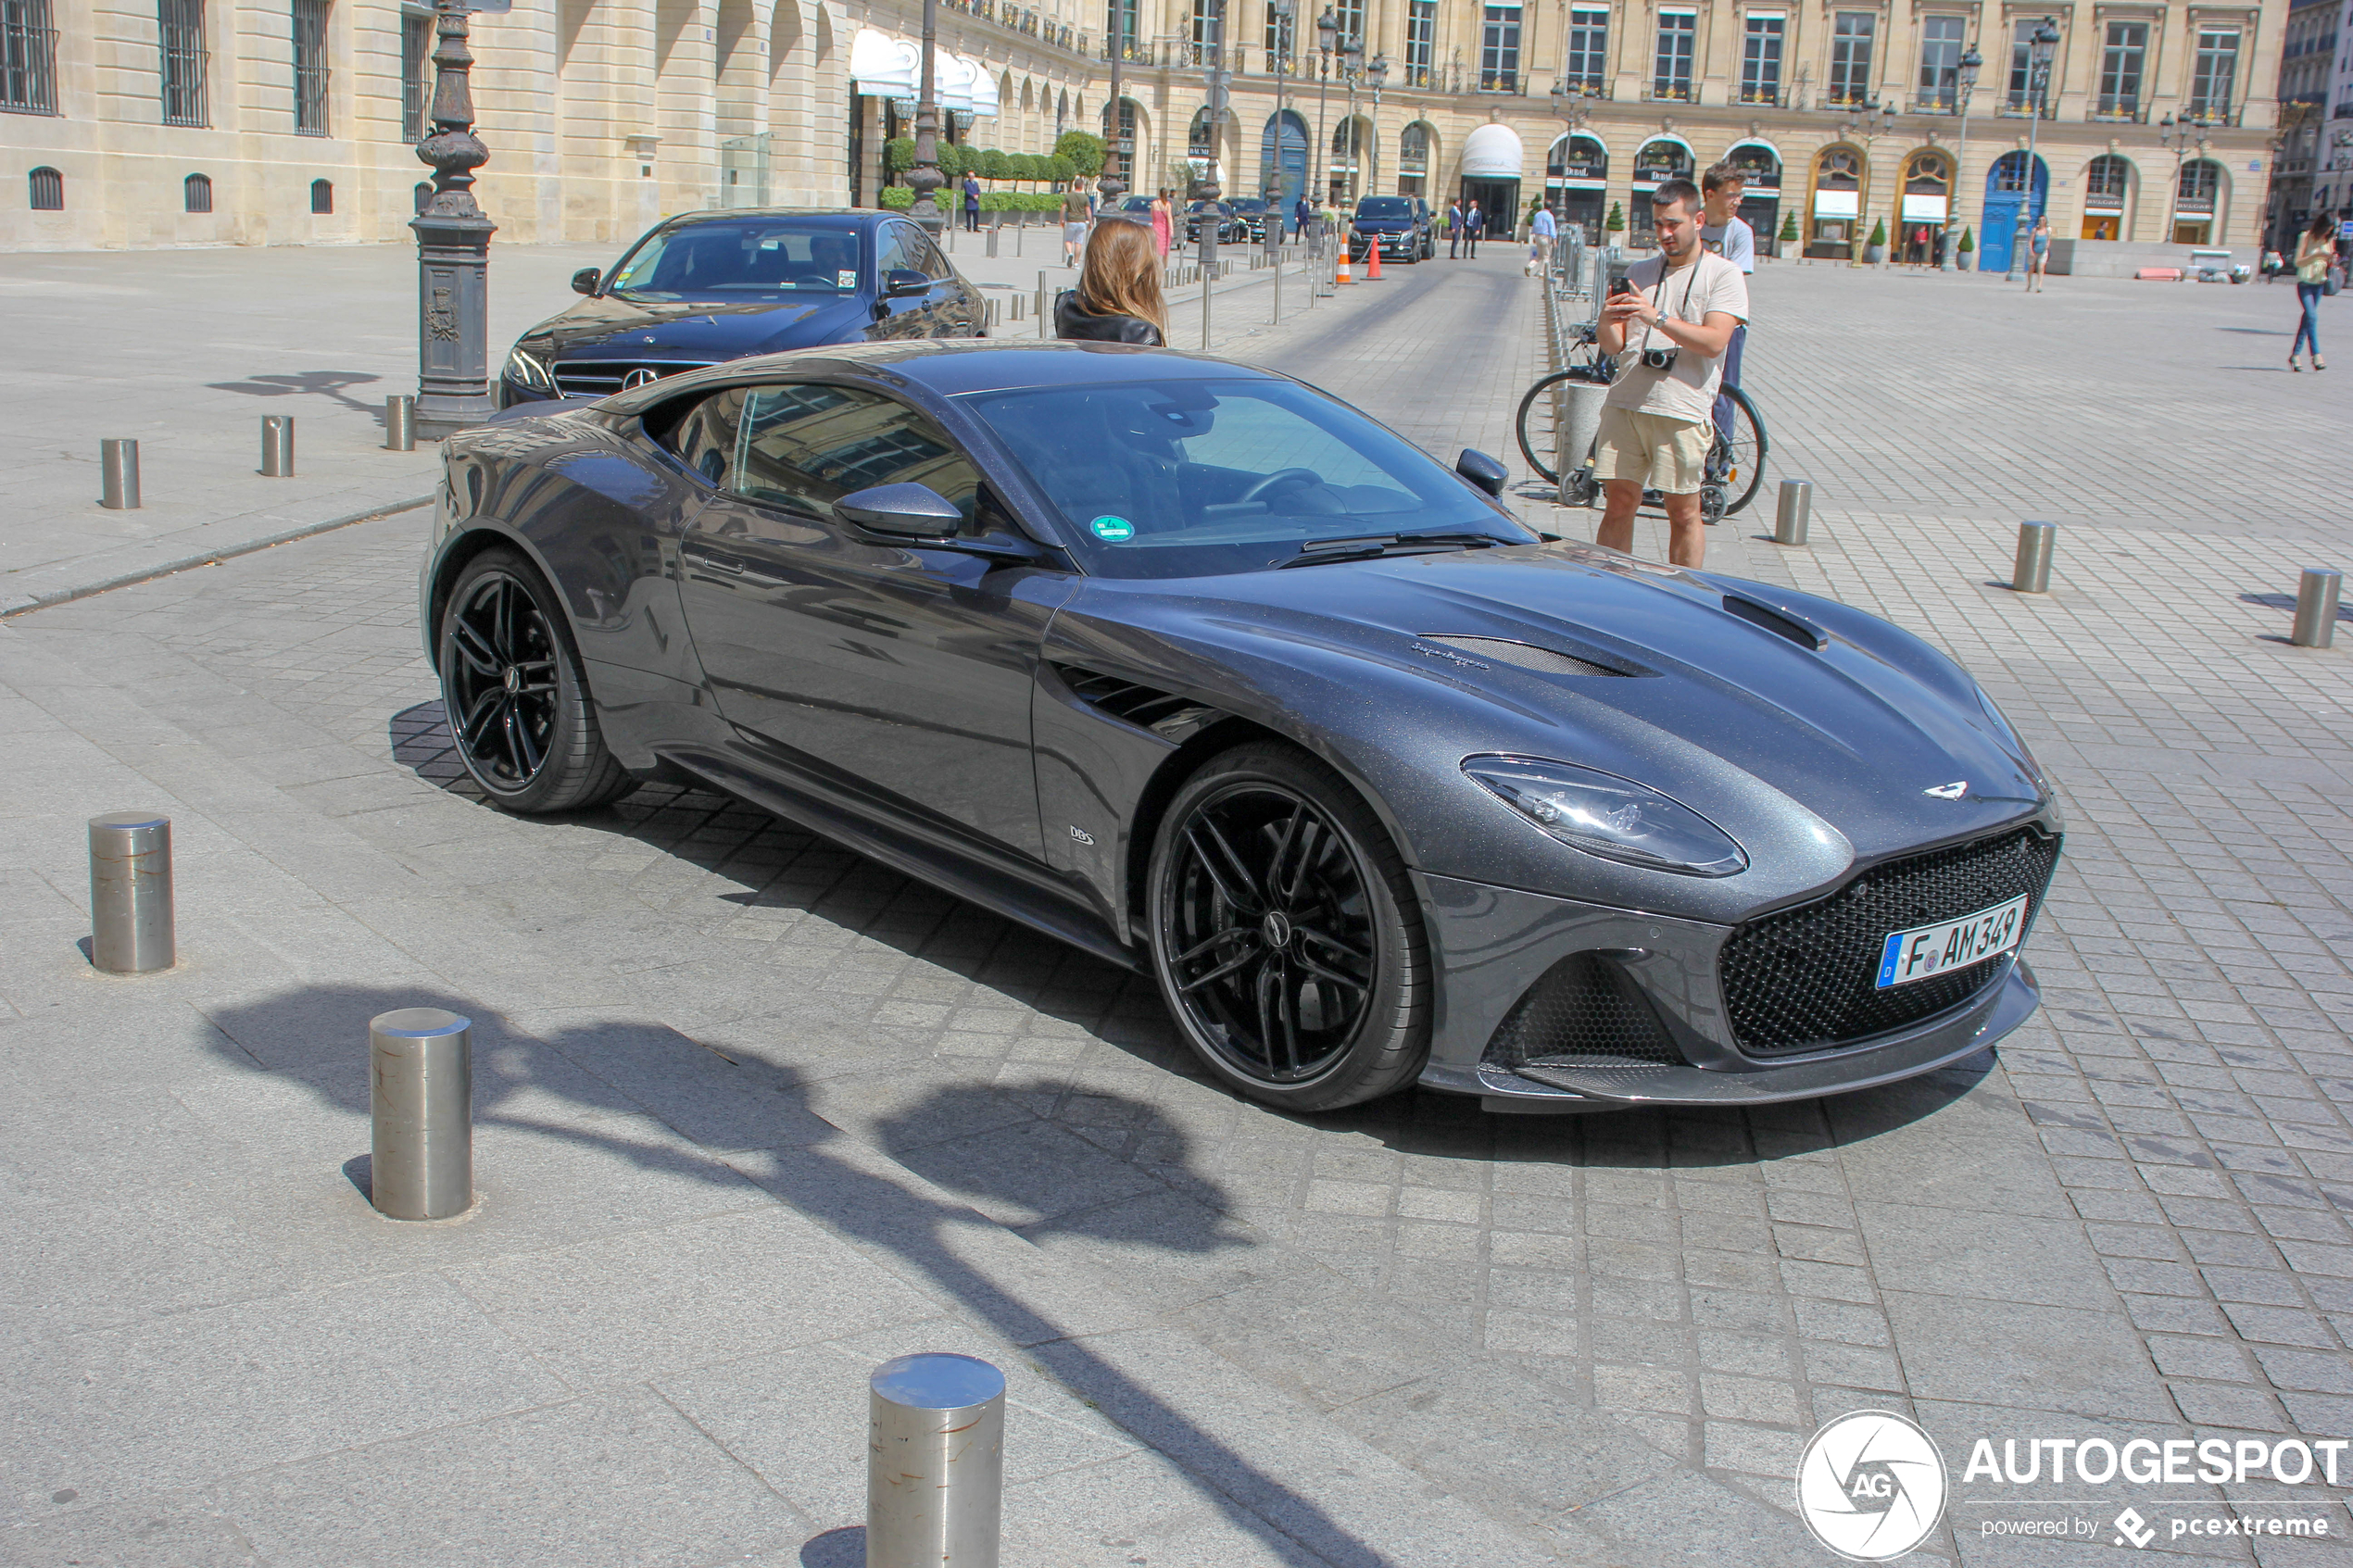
1735	466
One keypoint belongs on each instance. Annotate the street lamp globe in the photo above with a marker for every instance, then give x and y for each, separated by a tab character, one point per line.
1971	63
2044	44
1327	30
1377	73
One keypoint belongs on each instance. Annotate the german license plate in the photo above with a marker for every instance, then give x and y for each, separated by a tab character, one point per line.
1906	956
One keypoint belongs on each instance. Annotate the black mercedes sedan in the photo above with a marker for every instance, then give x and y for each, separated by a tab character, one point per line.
1201	671
707	287
1229	226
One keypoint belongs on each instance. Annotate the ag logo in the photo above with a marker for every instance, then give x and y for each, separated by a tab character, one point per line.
1872	1485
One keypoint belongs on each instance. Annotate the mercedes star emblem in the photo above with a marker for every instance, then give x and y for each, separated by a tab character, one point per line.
637	377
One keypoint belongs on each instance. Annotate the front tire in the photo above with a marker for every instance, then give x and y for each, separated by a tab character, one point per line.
1285	933
512	687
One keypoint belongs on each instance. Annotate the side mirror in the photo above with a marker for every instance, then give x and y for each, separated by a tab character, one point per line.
585	279
916	514
1483	471
901	282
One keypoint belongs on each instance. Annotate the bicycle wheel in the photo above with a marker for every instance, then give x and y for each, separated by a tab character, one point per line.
1740	460
1539	412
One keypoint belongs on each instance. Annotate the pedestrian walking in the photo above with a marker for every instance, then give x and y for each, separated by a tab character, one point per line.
1163	223
1472	218
971	205
1542	231
1118	299
1077	209
1454	231
2315	254
1300	216
1725	233
1667	327
2038	255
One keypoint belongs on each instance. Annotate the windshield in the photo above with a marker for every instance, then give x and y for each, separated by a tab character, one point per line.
1250	203
1384	206
1207	478
1136	203
1205	207
758	260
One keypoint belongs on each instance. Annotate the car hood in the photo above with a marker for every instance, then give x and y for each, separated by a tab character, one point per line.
1841	712
1384	225
607	328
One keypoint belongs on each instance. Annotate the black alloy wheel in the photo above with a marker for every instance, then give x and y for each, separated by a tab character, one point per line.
1286	938
512	689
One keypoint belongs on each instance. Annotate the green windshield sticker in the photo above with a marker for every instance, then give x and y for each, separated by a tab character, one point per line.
1113	529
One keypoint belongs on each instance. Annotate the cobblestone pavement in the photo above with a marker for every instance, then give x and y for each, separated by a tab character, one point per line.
1613	1333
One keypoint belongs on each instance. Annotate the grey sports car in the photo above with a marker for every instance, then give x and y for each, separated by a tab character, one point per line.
1198	668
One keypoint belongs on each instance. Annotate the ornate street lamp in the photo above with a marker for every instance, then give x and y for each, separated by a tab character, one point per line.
1110	185
1378	74
453	247
1326	34
1351	69
925	177
2178	136
2040	46
1283	12
1971	63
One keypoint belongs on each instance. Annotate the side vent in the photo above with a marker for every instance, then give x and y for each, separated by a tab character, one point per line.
1526	656
1780	623
1171	717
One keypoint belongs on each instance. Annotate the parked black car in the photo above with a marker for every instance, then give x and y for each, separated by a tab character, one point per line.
1400	225
1128	209
1253	211
1231	230
707	287
1458	803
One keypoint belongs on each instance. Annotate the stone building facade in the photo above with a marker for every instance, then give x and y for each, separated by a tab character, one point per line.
142	123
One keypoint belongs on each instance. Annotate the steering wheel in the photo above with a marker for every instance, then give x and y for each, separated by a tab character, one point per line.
1280	477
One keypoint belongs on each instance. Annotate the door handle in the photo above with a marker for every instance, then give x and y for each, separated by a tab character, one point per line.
728	564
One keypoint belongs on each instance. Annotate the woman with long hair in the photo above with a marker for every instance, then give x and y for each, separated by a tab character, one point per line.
2315	254
1118	297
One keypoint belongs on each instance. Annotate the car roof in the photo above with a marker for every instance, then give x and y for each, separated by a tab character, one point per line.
952	367
762	214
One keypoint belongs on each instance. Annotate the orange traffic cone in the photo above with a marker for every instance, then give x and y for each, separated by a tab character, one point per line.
1340	274
1372	258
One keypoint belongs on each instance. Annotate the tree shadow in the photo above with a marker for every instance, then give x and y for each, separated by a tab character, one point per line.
325	383
750	1121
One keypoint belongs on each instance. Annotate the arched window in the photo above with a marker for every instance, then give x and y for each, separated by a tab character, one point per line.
1927	174
1838	197
2200	180
322	196
1576	157
1661	160
2009	173
1412	150
48	190
2105	182
195	192
1758	164
1200	140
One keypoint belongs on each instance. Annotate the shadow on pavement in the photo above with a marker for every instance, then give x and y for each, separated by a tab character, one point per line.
573	1083
325	383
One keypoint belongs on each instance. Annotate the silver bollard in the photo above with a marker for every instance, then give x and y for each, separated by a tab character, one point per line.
119	475
1578	421
1796	512
935	1462
420	1103
400	424
130	893
992	242
1045	306
2030	573
1274	259
2316	594
277	445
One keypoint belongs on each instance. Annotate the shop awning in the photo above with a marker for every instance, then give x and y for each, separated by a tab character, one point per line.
1837	204
885	66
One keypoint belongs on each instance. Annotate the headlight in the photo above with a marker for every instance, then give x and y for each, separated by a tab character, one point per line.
1614	818
524	370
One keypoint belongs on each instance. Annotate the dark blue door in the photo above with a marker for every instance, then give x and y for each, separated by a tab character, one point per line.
2000	223
1287	172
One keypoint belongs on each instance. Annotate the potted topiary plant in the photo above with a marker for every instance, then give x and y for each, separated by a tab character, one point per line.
1875	248
1614	223
1789	230
1969	245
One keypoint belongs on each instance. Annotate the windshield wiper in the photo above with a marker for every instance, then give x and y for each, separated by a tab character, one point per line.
1315	552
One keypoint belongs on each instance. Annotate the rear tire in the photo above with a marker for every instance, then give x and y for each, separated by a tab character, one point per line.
511	687
1285	933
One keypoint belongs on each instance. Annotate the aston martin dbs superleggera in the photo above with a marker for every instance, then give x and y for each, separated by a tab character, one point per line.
1199	668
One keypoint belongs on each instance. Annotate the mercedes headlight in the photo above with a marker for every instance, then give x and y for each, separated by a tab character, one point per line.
1605	815
526	371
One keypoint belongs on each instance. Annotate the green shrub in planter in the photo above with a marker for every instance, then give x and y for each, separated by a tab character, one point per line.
1060	168
1969	242
898	198
995	165
1879	231
1615	221
899	154
1788	227
1086	153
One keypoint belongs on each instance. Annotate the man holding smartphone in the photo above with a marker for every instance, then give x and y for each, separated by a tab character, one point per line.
1667	329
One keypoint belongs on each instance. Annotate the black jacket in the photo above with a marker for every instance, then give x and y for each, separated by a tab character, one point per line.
1073	321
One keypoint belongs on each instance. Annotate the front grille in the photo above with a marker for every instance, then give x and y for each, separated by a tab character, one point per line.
1803	979
602	377
1586	1011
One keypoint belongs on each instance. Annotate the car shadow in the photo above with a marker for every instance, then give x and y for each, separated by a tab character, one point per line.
1122	1008
597	1084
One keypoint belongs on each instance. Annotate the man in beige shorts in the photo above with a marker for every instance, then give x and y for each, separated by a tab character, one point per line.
1667	330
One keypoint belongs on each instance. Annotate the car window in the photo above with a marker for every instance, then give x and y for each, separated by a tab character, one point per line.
740	260
895	254
803	446
704	435
928	261
1201	478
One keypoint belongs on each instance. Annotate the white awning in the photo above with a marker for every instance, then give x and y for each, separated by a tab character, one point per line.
1491	152
1837	204
983	87
885	66
1923	209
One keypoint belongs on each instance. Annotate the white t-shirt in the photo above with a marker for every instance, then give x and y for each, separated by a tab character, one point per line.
1689	293
1735	242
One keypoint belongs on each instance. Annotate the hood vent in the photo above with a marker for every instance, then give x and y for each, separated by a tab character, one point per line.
1526	656
1777	622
